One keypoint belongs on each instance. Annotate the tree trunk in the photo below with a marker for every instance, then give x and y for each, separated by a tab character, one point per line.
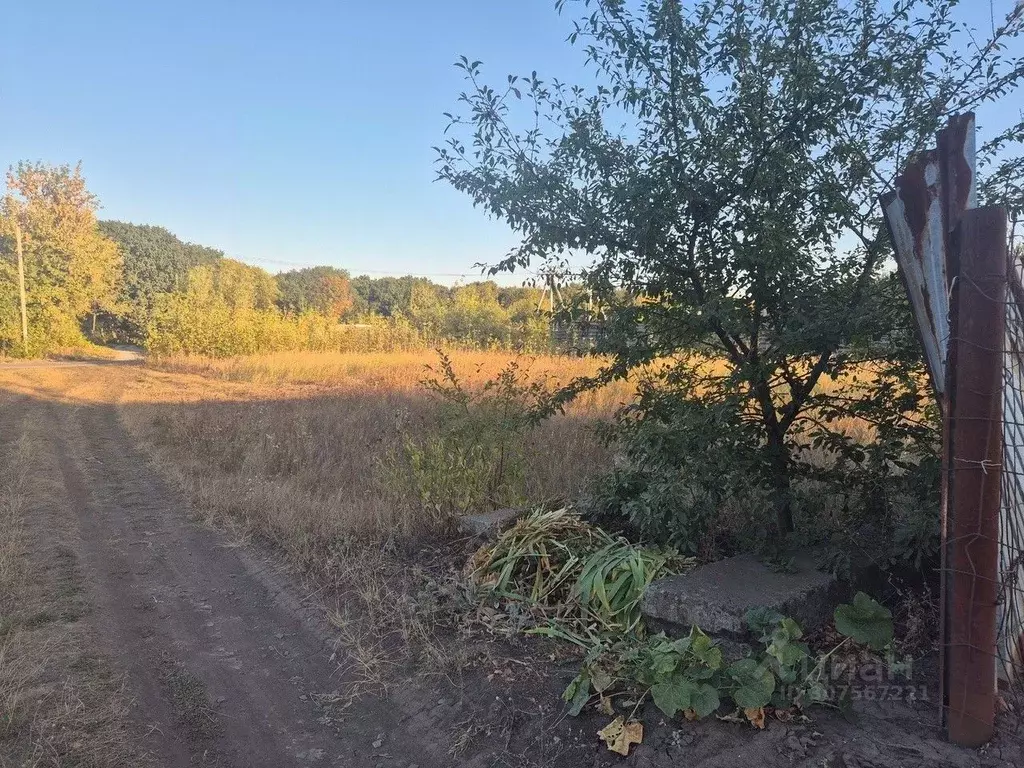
21	285
782	494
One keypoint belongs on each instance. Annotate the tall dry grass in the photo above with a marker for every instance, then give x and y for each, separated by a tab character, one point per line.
14	676
290	446
387	370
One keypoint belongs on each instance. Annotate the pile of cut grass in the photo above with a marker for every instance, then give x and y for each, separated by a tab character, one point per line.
579	579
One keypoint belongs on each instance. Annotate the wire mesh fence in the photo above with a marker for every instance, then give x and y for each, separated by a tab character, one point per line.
968	303
1010	647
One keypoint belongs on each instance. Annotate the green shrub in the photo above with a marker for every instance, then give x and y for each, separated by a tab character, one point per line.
50	329
180	324
682	470
473	456
689	477
692	675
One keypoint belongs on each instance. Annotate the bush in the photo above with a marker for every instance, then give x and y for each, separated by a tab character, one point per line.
681	471
182	325
215	329
473	458
690	475
50	330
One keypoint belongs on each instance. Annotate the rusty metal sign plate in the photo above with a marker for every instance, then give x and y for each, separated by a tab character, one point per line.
925	207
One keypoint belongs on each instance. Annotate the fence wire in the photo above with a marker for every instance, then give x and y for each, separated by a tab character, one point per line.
1011	512
983	580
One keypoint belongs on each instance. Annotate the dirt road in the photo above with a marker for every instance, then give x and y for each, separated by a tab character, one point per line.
119	355
223	665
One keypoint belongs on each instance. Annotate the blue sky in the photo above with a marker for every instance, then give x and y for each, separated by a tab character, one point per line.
295	132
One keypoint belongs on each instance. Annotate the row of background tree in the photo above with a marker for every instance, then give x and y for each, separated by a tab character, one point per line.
88	280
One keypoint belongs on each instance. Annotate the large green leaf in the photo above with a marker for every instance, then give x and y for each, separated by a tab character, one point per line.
704	649
681	693
786	654
761	621
673	695
755	683
704	700
866	621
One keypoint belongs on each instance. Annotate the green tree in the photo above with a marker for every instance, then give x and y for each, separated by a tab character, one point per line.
476	316
155	262
240	287
720	178
326	290
226	308
72	271
428	309
390	296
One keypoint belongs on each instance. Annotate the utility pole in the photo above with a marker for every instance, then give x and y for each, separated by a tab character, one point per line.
21	282
551	291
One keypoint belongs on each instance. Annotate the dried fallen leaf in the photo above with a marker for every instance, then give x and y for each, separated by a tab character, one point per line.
619	735
756	716
731	717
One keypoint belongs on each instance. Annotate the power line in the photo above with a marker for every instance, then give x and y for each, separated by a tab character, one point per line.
281	262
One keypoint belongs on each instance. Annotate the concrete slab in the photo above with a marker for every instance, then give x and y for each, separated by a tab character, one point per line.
716	596
489	524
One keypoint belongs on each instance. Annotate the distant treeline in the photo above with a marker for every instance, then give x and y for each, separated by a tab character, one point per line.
118	282
179	297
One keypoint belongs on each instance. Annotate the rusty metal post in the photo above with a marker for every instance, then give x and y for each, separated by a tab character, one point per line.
972	536
956	156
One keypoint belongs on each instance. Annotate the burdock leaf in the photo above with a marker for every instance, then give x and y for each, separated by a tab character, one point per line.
704	700
755	683
673	695
866	621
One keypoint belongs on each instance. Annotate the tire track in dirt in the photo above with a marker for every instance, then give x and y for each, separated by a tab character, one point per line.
222	671
67	704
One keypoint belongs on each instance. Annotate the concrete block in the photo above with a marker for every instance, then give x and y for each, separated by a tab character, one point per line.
716	596
489	524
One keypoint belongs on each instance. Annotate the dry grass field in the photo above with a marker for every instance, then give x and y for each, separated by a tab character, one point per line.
300	439
293	448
